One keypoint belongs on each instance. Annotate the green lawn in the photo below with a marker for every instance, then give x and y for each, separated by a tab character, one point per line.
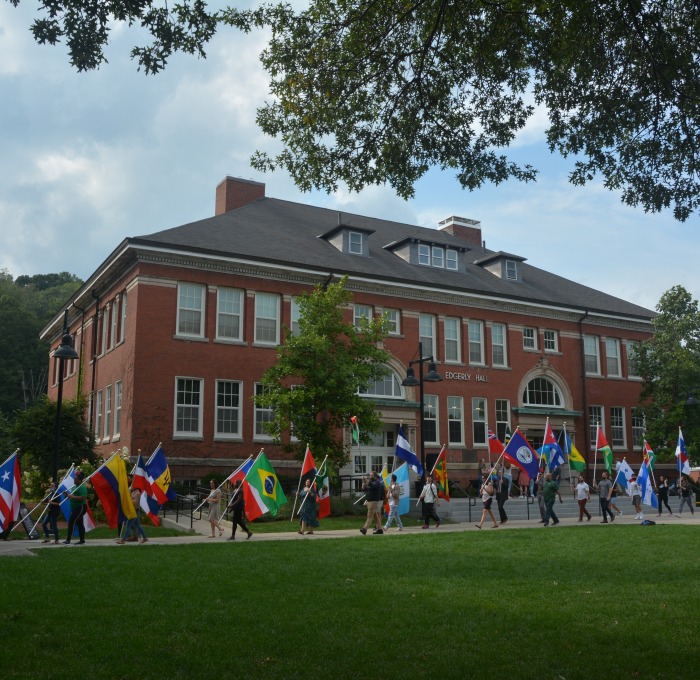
578	602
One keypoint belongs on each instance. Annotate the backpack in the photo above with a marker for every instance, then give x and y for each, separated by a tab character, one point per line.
648	522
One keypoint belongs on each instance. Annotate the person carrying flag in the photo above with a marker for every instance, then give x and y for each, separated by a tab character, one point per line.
550	491
394	493
662	495
685	492
374	490
135	522
78	507
53	511
307	511
429	496
605	489
237	505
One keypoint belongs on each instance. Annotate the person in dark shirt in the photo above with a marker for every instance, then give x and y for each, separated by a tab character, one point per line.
374	493
237	505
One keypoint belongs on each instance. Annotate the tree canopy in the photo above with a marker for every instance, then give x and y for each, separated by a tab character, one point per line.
379	91
313	388
669	363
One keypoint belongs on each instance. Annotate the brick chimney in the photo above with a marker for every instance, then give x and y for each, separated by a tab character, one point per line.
234	192
461	227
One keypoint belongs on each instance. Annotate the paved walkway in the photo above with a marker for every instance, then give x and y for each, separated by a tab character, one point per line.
19	545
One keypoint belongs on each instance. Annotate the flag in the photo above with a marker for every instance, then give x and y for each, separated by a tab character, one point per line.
648	495
241	471
67	483
682	455
495	446
440	475
150	507
601	445
648	455
386	480
10	492
405	452
555	455
308	468
508	435
576	461
402	480
111	485
355	430
159	477
263	488
520	453
623	476
323	488
141	476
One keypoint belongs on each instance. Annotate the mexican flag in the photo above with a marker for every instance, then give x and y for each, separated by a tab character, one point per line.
323	493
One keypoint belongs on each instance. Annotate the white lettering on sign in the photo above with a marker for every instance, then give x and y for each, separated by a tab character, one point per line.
478	377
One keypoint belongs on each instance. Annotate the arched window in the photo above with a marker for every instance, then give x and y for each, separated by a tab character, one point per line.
542	392
388	387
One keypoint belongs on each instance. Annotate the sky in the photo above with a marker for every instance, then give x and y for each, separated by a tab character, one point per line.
88	159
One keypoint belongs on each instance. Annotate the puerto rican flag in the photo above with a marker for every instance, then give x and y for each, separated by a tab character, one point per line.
10	492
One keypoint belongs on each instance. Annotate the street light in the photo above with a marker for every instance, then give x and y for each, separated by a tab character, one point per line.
62	352
411	381
691	400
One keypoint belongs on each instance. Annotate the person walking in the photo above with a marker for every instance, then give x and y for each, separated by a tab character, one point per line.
636	492
604	494
685	492
374	492
662	495
550	491
308	516
53	509
134	522
487	494
394	493
214	500
429	496
502	495
583	495
78	507
539	483
237	506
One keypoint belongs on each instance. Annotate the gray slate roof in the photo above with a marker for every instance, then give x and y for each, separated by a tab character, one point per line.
287	233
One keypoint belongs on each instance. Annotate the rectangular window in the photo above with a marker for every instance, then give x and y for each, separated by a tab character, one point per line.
267	315
229	314
427	334
262	415
502	418
632	347
376	463
529	338
431	419
455	420
294	316
355	245
190	309
98	415
479	424
617	427
122	323
511	270
394	321
591	355
550	341
451	259
105	328
476	342
595	416
108	411
362	314
424	254
438	257
498	344
115	323
453	351
188	406
637	428
612	357
117	408
228	408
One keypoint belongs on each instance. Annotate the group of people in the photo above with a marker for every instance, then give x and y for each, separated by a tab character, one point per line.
78	496
236	505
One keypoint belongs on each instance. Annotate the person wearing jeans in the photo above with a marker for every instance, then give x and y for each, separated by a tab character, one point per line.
685	493
375	495
605	492
50	523
78	507
394	492
550	491
429	496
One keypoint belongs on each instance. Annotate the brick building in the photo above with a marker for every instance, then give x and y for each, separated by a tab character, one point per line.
175	328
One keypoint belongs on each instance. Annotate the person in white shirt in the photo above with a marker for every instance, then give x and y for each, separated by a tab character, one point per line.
634	490
394	493
583	494
429	496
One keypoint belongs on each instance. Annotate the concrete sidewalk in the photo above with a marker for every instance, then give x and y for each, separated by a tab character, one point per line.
20	546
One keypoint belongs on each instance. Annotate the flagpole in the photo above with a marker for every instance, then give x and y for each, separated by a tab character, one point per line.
222	483
568	456
43	512
307	495
301	474
595	453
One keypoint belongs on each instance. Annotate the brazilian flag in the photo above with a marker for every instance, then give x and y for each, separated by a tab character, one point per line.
265	486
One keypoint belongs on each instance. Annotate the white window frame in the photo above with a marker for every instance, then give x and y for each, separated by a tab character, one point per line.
618	430
386	387
361	311
115	323
98	415
426	324
108	413
501	343
118	397
196	406
556	392
191	299
226	309
353	247
630	348
122	322
228	408
260	417
550	340
432	404
596	415
455	416
530	338
423	255
105	328
638	428
476	327
451	259
511	270
294	316
437	257
480	407
590	342
262	301
453	345
502	405
612	359
394	317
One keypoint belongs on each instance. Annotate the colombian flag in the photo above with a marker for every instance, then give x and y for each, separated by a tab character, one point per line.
440	475
111	485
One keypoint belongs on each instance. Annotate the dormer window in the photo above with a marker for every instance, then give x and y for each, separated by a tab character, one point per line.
504	265
451	259
355	242
349	240
511	270
424	254
438	257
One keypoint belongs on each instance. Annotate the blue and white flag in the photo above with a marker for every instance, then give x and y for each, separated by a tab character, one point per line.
623	476
648	495
401	473
405	452
682	455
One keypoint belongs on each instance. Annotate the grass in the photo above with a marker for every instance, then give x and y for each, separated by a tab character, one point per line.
579	602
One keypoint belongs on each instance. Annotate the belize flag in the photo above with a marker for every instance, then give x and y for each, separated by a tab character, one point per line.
405	452
520	453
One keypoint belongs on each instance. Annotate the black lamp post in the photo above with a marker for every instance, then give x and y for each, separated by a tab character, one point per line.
411	381
62	352
691	400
